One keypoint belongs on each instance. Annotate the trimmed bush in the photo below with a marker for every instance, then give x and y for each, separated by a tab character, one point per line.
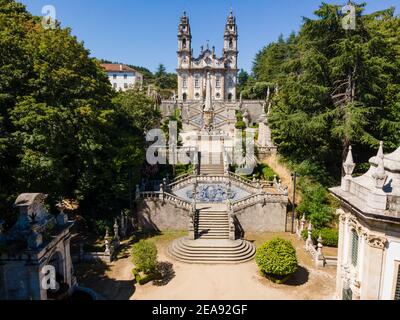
330	236
142	278
277	260
240	125
144	257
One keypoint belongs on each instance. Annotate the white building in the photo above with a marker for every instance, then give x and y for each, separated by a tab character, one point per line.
193	72
123	77
369	235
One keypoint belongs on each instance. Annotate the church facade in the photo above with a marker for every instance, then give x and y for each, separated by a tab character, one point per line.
192	72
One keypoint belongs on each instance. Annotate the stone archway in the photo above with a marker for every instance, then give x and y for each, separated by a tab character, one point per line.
56	260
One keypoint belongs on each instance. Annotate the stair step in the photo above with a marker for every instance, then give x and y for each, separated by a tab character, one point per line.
211	251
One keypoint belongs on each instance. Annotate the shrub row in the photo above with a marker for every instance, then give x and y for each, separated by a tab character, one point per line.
330	236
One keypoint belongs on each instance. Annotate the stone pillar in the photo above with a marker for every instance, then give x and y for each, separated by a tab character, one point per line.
123	225
302	225
372	266
116	233
341	245
309	241
320	260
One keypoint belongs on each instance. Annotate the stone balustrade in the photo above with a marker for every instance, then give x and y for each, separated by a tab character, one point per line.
258	198
239	181
165	196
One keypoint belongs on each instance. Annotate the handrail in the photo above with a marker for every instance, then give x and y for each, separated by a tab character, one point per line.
255	198
166	196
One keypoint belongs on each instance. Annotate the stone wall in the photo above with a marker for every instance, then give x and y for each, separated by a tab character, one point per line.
270	217
254	108
258	218
153	215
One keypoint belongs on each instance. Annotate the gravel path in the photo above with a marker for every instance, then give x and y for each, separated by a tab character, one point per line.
213	282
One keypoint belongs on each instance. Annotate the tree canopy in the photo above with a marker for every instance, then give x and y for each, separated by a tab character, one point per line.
63	130
335	87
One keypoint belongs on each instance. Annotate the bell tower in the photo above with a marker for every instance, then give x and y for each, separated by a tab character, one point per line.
184	58
231	56
184	41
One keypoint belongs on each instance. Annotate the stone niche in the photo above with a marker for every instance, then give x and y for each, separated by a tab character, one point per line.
36	242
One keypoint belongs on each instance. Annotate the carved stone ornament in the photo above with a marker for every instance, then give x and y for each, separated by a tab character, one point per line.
376	241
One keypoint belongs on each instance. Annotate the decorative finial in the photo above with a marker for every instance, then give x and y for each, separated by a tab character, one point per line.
380	151
349	164
380	175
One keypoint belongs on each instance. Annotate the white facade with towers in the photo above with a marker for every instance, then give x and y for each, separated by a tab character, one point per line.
192	71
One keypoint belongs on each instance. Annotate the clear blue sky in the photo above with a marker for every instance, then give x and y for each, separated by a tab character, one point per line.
143	32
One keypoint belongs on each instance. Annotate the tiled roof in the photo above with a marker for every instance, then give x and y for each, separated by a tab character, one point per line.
111	67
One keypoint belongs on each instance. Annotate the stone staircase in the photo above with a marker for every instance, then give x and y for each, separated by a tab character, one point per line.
212	164
212	225
212	244
206	251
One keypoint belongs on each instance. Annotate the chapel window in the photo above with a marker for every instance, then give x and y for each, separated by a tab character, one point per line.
397	292
218	82
354	248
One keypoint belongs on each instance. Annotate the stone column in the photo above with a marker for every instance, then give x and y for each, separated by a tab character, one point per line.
309	241
341	245
116	233
372	267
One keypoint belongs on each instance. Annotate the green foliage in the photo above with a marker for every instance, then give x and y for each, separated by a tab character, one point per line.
182	169
164	80
336	88
62	129
240	125
330	236
316	203
142	278
263	172
144	257
277	259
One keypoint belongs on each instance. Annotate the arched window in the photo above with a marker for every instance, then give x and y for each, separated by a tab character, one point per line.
197	82
184	43
230	97
184	82
218	81
230	82
230	43
184	97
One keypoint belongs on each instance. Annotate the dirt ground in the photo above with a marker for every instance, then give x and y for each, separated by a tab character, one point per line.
210	282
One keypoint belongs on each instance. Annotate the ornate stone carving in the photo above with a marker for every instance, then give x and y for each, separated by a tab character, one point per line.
376	241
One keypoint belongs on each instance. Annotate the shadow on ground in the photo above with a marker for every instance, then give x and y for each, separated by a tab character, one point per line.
167	274
299	278
93	276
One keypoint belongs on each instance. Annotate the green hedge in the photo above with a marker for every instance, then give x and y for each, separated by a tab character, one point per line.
144	257
277	260
142	278
330	236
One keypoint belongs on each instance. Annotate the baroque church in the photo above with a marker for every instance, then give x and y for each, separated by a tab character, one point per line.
192	72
